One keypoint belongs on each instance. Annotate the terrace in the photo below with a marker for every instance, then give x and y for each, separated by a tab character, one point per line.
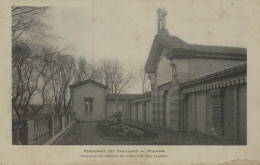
41	130
63	129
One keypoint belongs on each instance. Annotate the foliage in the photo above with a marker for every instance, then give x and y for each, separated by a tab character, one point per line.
117	117
124	131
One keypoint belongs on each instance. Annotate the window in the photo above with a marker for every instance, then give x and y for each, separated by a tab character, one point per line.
89	105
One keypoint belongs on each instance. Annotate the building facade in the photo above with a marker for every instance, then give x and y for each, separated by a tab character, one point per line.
88	100
195	88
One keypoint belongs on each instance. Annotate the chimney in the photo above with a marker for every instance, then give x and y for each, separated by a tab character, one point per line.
161	21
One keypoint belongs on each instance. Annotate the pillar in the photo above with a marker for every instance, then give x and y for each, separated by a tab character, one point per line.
63	118
154	107
236	113
16	136
69	118
52	126
175	100
31	133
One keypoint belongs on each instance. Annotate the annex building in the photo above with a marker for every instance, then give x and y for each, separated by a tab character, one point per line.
195	88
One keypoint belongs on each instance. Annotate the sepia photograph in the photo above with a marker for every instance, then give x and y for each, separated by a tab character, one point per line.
127	75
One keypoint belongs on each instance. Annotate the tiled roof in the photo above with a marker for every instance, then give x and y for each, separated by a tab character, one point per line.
127	97
173	42
180	49
144	95
121	97
88	81
218	49
177	43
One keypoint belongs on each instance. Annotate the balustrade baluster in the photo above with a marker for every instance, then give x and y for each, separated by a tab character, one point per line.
39	130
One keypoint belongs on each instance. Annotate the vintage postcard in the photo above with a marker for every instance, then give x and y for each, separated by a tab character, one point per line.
130	82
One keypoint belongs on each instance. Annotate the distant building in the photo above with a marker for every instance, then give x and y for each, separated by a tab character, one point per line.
195	88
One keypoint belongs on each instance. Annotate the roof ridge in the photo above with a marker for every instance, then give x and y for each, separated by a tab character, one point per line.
124	93
222	70
220	46
88	81
122	96
179	48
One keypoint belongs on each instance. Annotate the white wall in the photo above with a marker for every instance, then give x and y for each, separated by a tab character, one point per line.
200	66
78	102
164	70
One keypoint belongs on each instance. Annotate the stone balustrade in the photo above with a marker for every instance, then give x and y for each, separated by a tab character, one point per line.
41	130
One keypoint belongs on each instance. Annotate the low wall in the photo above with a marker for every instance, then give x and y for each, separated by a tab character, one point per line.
40	130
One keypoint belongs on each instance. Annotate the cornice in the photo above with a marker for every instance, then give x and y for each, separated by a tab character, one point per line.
192	53
220	74
225	78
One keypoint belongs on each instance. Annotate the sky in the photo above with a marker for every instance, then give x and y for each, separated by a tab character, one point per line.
126	30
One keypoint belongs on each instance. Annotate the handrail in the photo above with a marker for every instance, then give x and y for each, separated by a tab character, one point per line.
42	129
40	117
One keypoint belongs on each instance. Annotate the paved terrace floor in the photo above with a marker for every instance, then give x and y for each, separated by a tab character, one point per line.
85	133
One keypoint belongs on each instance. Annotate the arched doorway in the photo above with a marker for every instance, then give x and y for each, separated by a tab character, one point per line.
166	109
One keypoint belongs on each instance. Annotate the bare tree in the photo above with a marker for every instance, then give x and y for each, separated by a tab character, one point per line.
82	71
144	79
87	70
32	64
64	70
114	76
95	72
29	78
28	20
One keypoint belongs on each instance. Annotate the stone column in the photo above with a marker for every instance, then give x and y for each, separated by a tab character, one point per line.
182	118
147	112
236	113
160	116
194	109
131	111
140	112
116	106
150	114
175	99
152	77
217	108
52	126
69	118
176	108
63	118
31	133
16	136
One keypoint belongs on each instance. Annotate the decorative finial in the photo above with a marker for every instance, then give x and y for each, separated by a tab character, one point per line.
161	21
